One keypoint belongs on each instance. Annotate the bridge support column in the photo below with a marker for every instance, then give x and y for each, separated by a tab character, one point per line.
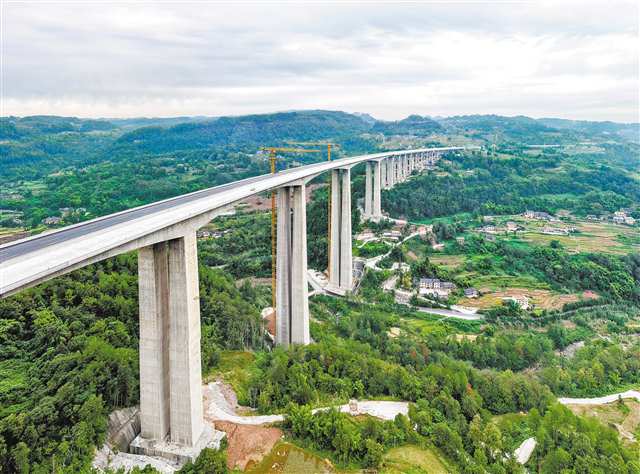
184	341
377	189
368	198
341	264
396	177
292	300
153	297
170	364
389	165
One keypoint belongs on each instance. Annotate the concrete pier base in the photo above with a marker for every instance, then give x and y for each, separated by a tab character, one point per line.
174	452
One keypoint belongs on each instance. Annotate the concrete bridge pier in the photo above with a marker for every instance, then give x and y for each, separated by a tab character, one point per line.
390	173
368	197
405	167
377	189
170	365
397	175
292	299
341	258
383	174
373	189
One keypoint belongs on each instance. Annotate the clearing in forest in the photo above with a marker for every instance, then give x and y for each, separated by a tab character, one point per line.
412	458
624	417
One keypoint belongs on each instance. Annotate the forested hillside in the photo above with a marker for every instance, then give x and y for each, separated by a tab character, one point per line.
514	183
477	387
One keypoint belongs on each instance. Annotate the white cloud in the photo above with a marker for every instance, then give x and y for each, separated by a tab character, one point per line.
576	59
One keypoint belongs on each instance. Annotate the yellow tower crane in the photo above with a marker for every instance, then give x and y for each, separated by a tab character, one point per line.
273	150
329	146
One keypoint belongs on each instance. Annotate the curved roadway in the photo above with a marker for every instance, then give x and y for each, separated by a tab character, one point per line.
26	262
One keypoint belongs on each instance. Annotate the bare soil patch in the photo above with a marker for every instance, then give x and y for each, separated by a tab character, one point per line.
247	443
625	421
11	236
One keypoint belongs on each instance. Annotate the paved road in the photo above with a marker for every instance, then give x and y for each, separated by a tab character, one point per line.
600	400
218	408
29	261
18	248
449	313
21	247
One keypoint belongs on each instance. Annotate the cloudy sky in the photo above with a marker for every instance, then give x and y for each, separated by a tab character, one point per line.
560	58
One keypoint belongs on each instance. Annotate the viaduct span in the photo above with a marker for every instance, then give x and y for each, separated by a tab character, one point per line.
164	234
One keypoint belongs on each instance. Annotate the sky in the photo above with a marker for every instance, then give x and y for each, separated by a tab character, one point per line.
559	58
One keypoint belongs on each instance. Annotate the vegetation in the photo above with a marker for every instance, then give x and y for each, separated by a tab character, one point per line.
69	350
477	389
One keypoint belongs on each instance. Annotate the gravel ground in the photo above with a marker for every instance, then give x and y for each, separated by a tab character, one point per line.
219	408
599	400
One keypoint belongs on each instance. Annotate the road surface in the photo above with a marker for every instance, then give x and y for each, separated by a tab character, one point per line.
26	262
601	400
219	409
449	313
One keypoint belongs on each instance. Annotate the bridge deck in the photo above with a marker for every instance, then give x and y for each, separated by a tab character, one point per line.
27	261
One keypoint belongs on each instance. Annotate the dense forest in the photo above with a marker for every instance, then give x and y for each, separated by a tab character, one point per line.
69	355
495	185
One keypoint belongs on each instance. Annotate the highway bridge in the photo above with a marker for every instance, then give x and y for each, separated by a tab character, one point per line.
164	234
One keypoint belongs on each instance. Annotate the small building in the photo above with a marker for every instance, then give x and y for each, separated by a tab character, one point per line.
591	217
437	246
435	287
489	229
538	215
66	211
471	293
366	235
619	219
403	267
424	229
460	240
629	220
512	226
394	235
555	230
520	300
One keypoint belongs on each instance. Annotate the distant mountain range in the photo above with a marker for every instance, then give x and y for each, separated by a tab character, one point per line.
56	140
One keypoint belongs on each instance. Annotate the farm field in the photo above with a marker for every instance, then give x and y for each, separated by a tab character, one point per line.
545	299
413	458
287	458
592	237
